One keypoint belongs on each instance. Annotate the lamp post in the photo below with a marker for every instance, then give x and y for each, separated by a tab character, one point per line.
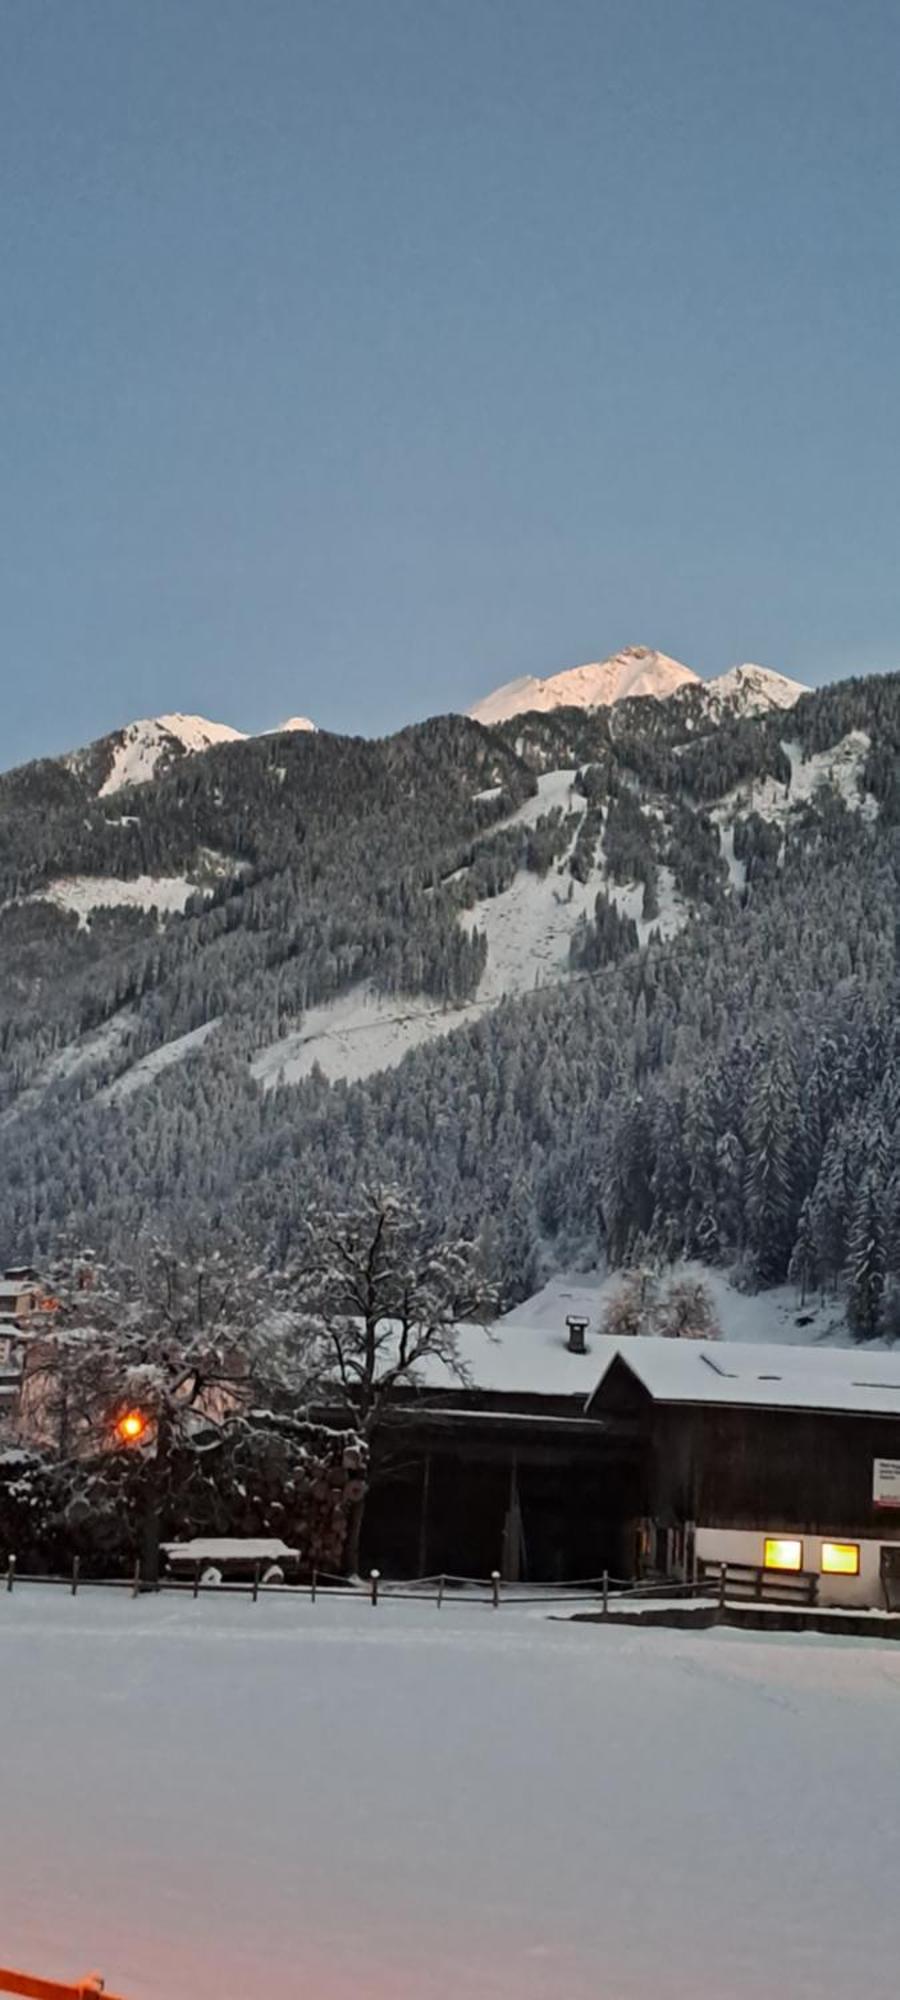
135	1429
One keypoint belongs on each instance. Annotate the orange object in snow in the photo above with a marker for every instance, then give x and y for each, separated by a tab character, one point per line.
50	1989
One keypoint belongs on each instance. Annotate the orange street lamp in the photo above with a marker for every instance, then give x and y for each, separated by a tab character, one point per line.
132	1427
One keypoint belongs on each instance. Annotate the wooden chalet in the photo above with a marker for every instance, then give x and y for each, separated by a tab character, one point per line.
555	1461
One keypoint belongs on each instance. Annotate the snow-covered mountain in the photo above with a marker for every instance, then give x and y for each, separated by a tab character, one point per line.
598	959
636	671
143	750
745	690
293	724
750	690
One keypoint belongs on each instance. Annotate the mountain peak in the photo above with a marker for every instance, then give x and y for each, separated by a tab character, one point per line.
142	749
292	725
637	670
753	689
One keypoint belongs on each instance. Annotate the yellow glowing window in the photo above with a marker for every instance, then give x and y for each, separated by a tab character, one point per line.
780	1552
840	1558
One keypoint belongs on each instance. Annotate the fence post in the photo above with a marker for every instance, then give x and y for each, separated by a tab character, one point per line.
76	1565
723	1579
440	1595
375	1579
256	1569
196	1579
136	1582
604	1581
10	1572
495	1588
312	1588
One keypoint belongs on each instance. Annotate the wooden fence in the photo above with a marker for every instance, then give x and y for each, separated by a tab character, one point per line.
750	1580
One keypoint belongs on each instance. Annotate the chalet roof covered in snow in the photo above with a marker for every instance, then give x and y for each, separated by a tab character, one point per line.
522	1360
831	1379
516	1359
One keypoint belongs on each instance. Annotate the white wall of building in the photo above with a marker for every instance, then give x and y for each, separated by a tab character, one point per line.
745	1545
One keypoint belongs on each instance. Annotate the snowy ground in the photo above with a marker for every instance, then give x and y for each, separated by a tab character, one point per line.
222	1801
774	1315
841	767
83	894
356	1035
160	1059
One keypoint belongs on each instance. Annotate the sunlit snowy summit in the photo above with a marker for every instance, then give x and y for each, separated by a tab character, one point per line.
143	750
638	670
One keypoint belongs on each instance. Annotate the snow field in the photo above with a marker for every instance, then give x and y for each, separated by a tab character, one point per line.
293	1802
357	1034
772	1315
158	1060
83	894
842	767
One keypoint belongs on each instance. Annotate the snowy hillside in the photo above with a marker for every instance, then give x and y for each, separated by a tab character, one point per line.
775	1316
665	945
533	923
528	927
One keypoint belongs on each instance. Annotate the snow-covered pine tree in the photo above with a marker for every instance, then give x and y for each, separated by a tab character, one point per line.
803	1269
866	1260
771	1179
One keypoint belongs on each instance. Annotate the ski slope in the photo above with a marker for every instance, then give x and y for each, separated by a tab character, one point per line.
222	1801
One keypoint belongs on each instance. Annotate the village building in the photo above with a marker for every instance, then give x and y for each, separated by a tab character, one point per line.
27	1313
561	1456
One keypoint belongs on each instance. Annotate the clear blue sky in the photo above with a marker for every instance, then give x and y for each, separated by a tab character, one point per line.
356	355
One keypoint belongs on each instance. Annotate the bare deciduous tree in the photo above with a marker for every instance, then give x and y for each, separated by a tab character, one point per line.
380	1300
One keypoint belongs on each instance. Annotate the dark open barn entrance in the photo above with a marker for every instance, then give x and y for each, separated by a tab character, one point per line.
540	1500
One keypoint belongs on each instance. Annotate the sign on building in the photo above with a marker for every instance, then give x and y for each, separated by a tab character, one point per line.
886	1482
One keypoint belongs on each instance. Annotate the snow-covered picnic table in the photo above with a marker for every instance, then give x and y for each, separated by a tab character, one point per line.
232	1556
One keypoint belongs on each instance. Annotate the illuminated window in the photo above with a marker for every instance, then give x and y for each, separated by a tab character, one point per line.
780	1552
840	1558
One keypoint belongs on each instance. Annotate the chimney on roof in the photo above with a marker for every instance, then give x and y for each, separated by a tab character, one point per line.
577	1341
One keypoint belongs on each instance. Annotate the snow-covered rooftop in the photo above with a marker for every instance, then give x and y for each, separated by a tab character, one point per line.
767	1376
522	1360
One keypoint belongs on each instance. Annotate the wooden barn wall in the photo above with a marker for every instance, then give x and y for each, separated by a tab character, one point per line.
755	1468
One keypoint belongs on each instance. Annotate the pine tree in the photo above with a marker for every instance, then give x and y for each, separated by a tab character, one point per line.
803	1267
866	1260
771	1182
